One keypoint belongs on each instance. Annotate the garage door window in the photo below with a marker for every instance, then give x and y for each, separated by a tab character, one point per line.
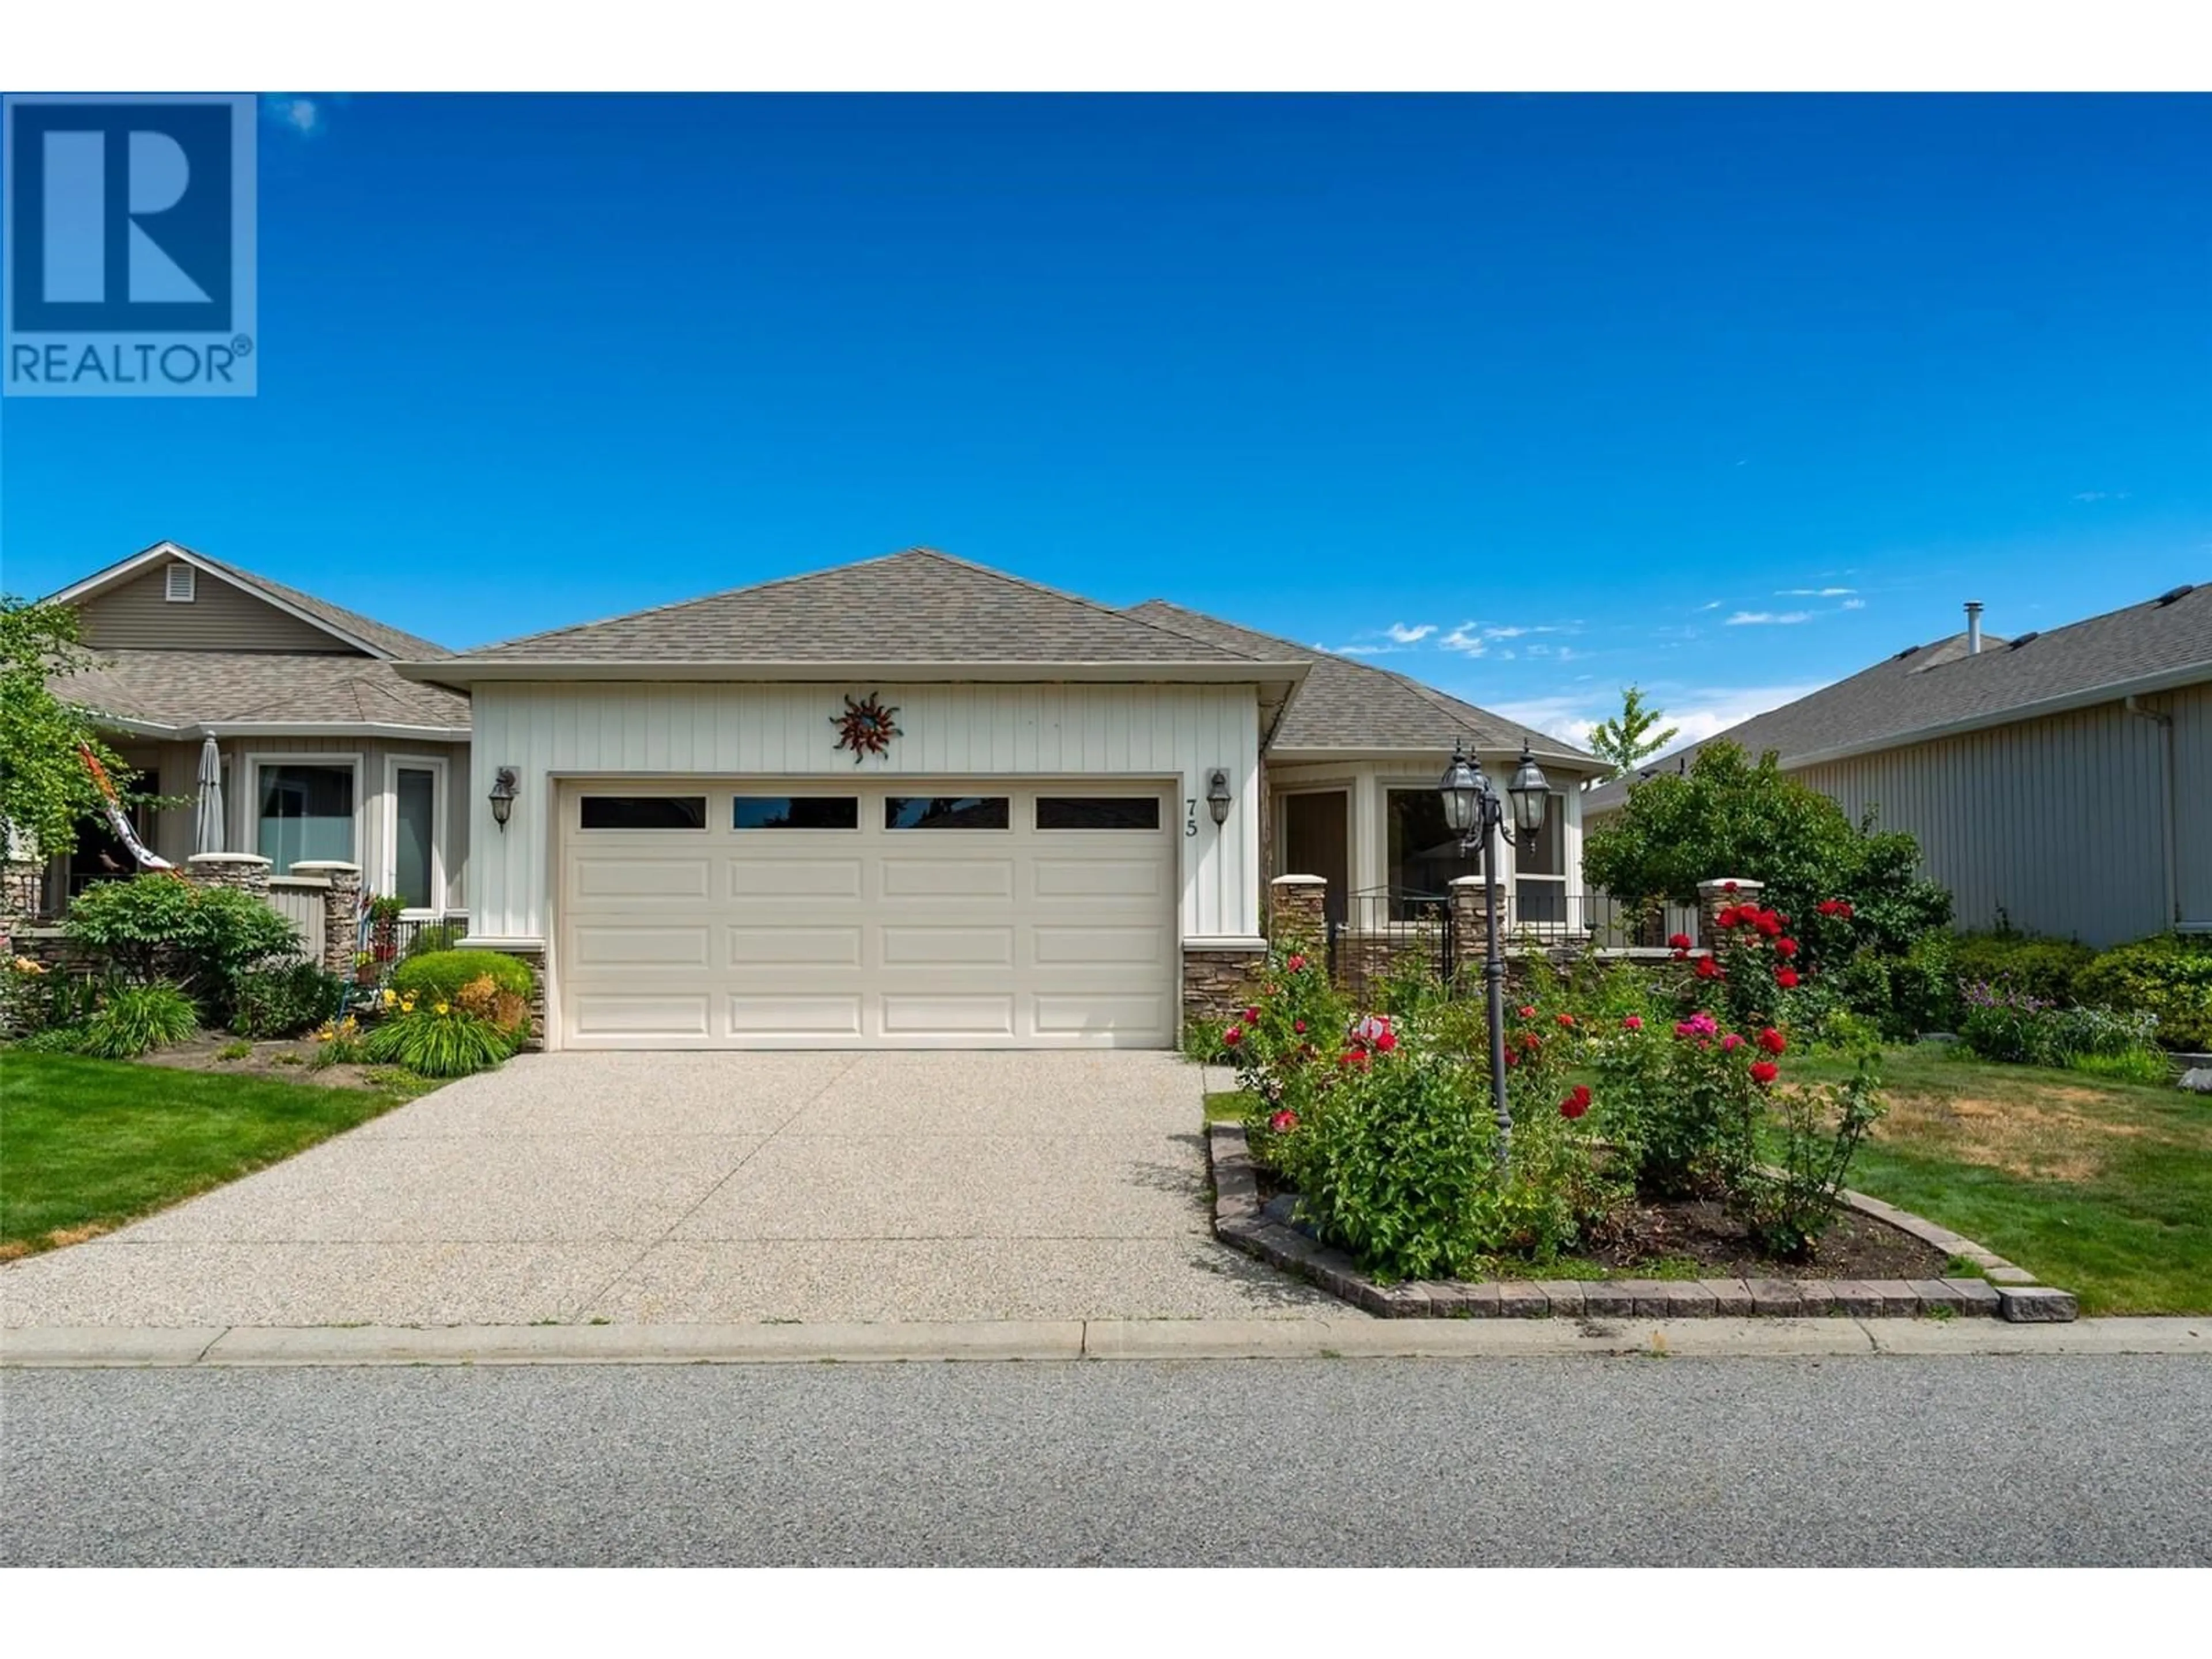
1097	812
795	812
644	813
946	813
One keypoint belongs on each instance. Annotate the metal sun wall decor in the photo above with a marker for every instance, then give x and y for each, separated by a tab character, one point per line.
867	728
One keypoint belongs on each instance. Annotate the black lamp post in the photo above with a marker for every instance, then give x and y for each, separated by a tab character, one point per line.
1474	811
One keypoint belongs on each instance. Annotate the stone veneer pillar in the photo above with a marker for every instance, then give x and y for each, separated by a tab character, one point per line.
1716	895
248	872
1297	910
340	909
1470	920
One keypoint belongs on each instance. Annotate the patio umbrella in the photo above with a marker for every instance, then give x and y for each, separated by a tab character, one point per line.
207	817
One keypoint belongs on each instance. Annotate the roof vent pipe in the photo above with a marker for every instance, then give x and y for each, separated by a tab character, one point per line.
1974	628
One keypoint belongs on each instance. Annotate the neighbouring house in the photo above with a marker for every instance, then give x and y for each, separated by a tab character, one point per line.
2059	781
914	802
327	753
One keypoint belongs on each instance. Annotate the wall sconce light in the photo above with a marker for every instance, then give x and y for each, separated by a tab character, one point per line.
1216	796
503	796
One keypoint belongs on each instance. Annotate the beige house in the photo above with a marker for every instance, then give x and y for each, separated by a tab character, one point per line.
1061	836
2059	781
326	753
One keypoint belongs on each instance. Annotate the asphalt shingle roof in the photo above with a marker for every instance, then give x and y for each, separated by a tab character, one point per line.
1344	704
393	641
194	688
1942	684
918	606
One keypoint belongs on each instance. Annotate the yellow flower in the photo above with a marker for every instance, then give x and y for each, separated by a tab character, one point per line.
391	997
444	1008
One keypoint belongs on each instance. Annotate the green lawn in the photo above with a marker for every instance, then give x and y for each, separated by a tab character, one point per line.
88	1145
2103	1187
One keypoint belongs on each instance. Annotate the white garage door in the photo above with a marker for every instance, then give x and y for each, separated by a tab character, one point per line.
732	913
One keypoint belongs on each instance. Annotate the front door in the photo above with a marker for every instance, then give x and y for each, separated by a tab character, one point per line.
1317	842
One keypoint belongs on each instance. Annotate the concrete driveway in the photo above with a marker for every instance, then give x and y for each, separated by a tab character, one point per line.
657	1189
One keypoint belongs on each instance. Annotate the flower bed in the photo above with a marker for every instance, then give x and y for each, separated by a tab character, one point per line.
1651	1124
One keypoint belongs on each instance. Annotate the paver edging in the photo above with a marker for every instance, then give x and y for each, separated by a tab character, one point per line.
2010	1291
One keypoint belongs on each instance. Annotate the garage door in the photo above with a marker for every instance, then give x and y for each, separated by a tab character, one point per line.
730	913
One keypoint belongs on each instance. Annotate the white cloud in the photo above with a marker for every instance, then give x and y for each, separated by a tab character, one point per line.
293	113
1710	605
1465	637
2102	495
1814	593
1780	618
1854	604
1405	635
1356	650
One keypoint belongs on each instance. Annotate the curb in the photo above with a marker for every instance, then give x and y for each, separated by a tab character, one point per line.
243	1346
2009	1291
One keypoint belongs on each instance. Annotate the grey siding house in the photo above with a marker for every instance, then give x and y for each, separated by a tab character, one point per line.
2058	782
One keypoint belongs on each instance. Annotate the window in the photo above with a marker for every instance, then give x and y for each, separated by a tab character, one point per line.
179	583
1097	812
643	812
1424	854
795	812
1539	883
945	812
414	833
305	812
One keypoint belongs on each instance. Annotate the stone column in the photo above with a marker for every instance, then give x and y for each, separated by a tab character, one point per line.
248	872
1470	921
1297	910
22	886
1716	896
340	909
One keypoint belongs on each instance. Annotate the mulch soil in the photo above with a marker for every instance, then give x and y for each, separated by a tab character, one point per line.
286	1060
1698	1230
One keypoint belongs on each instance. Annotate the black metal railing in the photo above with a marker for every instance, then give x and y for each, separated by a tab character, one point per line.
1387	933
1545	913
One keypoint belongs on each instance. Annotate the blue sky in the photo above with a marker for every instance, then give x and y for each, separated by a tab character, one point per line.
1529	396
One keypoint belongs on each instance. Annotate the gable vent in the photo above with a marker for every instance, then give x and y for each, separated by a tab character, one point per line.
2173	594
2035	634
180	579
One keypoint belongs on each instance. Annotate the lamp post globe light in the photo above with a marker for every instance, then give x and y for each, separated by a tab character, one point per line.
1474	812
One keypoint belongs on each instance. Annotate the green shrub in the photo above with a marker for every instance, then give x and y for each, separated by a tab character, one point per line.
2169	976
283	1001
135	1019
1787	1200
157	927
434	936
432	1045
34	996
63	1039
2043	967
441	974
2013	1027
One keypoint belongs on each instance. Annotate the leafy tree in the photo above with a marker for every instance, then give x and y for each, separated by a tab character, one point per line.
1627	739
46	791
1727	817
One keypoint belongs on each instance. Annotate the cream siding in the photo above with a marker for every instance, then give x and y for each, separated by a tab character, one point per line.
2056	824
1172	733
220	617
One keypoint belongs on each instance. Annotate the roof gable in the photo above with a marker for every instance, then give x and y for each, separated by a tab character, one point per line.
1352	706
919	606
348	628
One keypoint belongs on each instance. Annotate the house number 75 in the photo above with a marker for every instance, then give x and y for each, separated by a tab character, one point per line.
1190	820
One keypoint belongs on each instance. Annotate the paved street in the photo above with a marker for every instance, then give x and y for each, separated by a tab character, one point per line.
1837	1462
683	1189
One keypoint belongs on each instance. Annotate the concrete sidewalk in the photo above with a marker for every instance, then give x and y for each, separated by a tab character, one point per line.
1080	1339
654	1189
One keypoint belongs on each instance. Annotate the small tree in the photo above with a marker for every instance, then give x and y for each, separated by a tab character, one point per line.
1727	817
1627	739
46	791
